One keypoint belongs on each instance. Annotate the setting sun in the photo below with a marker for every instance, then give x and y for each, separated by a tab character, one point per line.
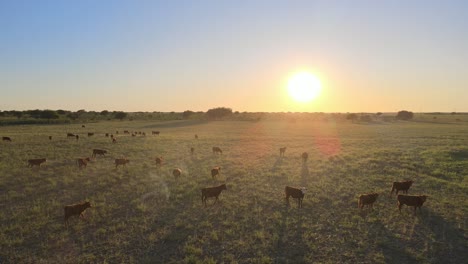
304	86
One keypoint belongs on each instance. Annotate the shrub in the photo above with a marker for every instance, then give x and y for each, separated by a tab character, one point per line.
404	115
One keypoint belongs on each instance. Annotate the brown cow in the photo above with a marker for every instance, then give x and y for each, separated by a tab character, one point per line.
6	139
114	140
83	162
107	134
212	192
215	171
296	193
217	150
99	152
401	186
36	162
304	157
75	209
77	137
126	132
155	132
192	150
70	135
90	134
83	126
159	160
367	199
411	200
50	137
121	162
282	151
196	136
176	172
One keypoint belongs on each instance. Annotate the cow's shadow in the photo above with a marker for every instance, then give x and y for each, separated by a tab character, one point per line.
277	164
285	250
304	174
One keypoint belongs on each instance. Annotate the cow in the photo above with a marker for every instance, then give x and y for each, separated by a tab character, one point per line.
401	186
176	172
117	132
217	150
114	140
77	137
304	157
99	152
133	134
50	137
83	162
107	134
6	139
192	150
215	171
411	200
36	162
83	126
144	134
75	209
196	136
126	132
212	192
367	199
296	193
70	135
159	160
121	162
282	151
90	134
112	136
155	133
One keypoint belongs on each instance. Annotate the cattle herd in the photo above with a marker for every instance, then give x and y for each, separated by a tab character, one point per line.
297	193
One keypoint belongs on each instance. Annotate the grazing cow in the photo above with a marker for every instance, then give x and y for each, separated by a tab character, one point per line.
133	134
121	162
367	199
114	140
296	193
77	137
50	137
36	162
282	151
70	135
99	152
411	200
144	134
212	192
192	150
83	162
126	132
217	150
107	134
196	136
215	171
116	131
83	126
176	172
112	136
90	134
75	209
304	157
6	139
159	160
401	186
155	133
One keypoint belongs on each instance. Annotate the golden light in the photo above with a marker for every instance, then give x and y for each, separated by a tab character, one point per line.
304	86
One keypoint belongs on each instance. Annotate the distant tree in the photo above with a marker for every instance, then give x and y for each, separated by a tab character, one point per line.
453	113
49	114
186	114
404	115
219	112
366	118
378	114
351	117
62	112
34	113
120	115
17	114
104	113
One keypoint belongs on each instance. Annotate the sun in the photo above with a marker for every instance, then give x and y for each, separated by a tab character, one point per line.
304	86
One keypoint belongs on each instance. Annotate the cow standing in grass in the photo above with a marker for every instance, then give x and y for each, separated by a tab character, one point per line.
282	151
176	172
367	199
159	161
83	162
416	201
122	162
212	192
215	171
304	157
296	193
401	186
99	152
6	139
217	150
36	162
75	209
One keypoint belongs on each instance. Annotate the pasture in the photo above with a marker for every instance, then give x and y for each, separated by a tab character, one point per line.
142	214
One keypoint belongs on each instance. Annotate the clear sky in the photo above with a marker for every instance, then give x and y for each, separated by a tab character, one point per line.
175	55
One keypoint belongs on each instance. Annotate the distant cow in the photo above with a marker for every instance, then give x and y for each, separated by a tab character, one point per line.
217	150
367	199
215	171
401	186
107	134
75	209
411	200
282	151
196	136
296	193
159	160
82	162
116	131
114	140
144	134
77	137
6	139
90	134
36	162
176	172
304	157
50	137
121	162
212	192
155	133
99	152
70	135
192	150
126	132
83	126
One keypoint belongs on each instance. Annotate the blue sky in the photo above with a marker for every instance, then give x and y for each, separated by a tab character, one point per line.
194	55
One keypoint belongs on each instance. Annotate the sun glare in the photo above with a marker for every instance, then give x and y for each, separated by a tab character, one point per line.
304	86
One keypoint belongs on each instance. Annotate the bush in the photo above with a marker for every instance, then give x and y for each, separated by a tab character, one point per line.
219	112
404	115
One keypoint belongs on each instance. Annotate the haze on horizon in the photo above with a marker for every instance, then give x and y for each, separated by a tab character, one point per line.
370	56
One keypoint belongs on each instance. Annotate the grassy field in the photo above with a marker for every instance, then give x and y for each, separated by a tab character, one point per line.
141	214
